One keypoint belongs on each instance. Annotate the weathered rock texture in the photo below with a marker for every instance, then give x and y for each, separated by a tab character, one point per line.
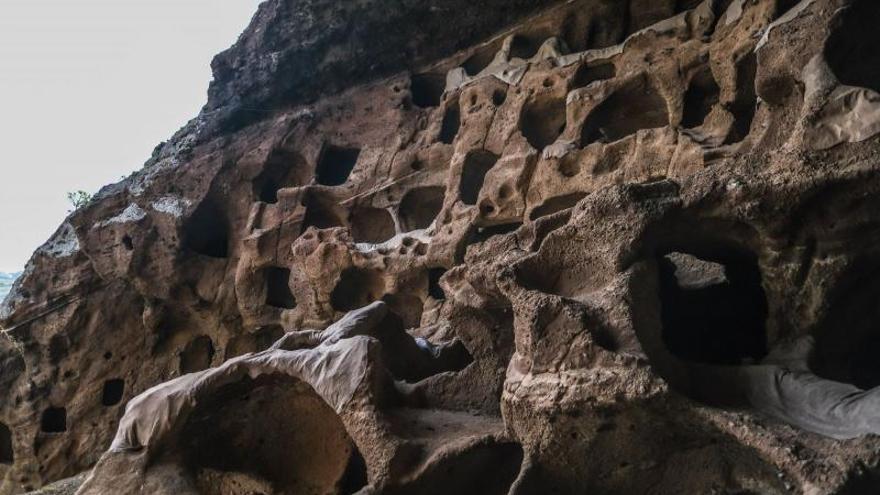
617	247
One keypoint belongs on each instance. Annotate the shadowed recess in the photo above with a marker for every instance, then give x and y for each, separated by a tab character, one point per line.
427	89
278	293
434	288
852	358
635	106
274	432
197	355
484	469
476	165
714	309
699	99
557	204
371	225
744	105
419	207
113	392
451	123
587	74
7	455
851	50
542	120
283	169
54	420
357	288
207	231
336	164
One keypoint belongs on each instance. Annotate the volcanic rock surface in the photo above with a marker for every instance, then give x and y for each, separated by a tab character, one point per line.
478	247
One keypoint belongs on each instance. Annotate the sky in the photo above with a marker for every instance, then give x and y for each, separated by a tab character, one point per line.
87	89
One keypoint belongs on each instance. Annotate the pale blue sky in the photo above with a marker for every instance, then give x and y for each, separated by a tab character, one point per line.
87	89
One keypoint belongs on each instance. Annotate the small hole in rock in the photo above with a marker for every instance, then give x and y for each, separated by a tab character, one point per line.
197	355
744	105
542	121
524	47
699	99
434	289
321	212
278	293
852	305
557	204
498	97
406	306
7	455
283	169
851	49
336	164
427	89
587	74
419	207
480	59
54	420
207	231
713	308
127	242
476	165
635	106
113	391
371	225
451	123
569	166
357	288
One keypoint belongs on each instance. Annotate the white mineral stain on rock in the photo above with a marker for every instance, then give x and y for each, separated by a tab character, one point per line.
171	205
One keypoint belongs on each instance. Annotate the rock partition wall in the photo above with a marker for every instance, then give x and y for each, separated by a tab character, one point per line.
619	247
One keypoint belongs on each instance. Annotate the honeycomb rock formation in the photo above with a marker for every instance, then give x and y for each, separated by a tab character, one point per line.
480	247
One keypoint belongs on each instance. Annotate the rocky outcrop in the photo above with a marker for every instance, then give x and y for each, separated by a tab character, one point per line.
617	247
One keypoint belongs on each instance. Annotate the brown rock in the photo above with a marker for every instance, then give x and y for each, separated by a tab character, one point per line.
618	247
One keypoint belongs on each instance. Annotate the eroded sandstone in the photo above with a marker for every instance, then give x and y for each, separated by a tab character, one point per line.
618	247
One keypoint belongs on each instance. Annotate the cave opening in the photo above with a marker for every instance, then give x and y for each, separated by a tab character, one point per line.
321	212
542	121
357	288
278	293
744	105
556	204
851	49
275	432
466	473
701	96
336	164
113	392
713	306
848	337
283	169
476	165
526	46
451	123
588	74
371	225
419	207
427	89
207	231
631	108
7	454
197	355
480	59
54	420
434	288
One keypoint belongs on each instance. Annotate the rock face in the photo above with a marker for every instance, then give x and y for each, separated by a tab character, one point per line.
614	247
